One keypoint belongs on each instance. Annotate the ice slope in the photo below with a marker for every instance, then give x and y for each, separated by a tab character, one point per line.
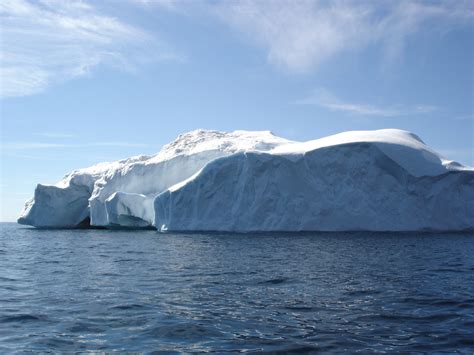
386	180
403	147
121	193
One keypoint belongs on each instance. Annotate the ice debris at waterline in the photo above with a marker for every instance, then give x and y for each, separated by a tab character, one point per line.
383	180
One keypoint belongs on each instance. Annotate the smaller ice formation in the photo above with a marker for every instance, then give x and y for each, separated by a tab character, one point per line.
131	210
384	180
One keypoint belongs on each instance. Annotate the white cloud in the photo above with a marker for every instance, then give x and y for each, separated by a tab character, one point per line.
115	144
325	99
467	117
166	4
301	35
58	135
50	41
40	145
22	145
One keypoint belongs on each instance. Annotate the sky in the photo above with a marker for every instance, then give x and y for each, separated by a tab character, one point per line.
89	81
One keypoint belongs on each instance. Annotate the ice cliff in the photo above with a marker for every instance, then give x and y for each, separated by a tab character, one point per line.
384	180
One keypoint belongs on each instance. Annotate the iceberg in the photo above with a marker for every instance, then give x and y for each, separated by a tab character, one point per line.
242	181
121	193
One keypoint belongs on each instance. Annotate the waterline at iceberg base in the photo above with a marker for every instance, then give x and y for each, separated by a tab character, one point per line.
243	181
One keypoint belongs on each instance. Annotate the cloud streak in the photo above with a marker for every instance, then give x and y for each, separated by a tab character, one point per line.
50	41
299	36
325	99
54	135
467	117
40	145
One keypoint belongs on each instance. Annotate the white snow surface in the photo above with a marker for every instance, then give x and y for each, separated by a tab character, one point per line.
242	181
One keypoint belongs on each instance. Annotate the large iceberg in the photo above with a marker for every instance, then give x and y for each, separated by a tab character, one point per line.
384	180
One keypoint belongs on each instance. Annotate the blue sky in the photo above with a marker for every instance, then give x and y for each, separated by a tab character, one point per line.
88	81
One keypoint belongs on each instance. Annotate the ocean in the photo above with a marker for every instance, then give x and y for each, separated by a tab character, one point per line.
101	290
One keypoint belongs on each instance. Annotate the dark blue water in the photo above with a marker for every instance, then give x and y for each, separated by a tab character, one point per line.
76	290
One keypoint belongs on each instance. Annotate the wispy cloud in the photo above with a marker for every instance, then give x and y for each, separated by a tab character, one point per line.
116	144
13	154
54	135
50	41
18	154
40	145
467	117
326	99
166	4
301	35
26	146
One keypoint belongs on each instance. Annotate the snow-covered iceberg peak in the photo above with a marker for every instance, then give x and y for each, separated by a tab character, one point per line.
201	140
255	181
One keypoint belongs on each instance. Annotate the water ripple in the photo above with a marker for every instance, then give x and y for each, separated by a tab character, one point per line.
125	291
